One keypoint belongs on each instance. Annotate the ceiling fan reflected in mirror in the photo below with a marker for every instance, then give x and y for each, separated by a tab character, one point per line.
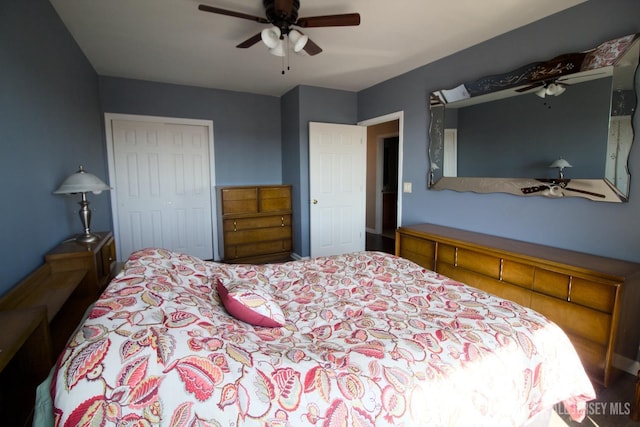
557	86
282	15
546	88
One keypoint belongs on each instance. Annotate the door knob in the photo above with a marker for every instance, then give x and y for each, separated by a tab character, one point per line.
315	202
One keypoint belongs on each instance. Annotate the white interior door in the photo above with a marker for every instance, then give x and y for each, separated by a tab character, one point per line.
618	147
450	162
337	174
162	187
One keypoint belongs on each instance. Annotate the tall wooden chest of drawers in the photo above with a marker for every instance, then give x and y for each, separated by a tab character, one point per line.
255	223
593	299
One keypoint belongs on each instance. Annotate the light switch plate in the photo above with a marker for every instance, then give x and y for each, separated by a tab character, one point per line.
406	187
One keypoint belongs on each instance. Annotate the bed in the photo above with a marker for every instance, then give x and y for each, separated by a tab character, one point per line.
361	339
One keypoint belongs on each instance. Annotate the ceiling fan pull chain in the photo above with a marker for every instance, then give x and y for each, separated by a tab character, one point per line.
288	53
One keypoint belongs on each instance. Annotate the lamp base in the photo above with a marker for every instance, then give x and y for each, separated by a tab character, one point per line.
87	238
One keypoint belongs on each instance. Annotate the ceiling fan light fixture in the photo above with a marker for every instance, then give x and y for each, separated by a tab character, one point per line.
542	92
298	40
271	37
560	90
278	50
555	89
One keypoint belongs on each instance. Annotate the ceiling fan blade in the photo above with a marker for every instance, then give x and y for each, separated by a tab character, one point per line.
533	86
207	8
250	41
345	20
311	48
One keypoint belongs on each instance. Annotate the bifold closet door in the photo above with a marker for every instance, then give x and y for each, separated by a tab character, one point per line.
162	187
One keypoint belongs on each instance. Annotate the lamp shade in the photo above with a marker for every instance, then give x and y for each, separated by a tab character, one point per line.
82	182
555	89
271	36
560	163
298	40
542	92
278	50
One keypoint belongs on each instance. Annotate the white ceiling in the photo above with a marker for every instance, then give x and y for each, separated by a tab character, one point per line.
172	41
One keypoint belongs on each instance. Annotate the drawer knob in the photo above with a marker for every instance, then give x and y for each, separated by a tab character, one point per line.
282	219
235	225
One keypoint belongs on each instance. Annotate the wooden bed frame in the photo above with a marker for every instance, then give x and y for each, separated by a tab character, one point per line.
593	299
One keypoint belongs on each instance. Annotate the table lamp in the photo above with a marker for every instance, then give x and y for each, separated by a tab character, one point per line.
83	182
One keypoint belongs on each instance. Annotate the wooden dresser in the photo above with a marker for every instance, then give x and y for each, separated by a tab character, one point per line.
593	299
255	223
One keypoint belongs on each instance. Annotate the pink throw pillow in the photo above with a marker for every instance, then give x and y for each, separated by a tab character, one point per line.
247	302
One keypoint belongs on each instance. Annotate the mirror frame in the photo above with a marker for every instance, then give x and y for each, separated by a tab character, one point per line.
608	56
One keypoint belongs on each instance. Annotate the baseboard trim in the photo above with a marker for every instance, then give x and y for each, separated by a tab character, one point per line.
626	364
297	257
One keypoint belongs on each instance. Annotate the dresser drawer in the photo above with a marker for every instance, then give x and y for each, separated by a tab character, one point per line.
599	296
239	200
259	248
487	284
446	254
257	235
420	251
517	273
488	265
574	319
242	224
274	199
551	283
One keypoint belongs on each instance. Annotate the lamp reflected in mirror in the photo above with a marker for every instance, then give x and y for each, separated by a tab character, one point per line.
560	164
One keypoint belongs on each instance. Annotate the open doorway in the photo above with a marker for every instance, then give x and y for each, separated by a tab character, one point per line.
384	172
389	186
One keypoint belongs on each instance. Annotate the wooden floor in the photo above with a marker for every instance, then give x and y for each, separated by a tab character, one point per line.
610	409
380	242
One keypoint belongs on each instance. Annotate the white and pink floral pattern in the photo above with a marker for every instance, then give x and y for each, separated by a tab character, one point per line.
370	339
607	53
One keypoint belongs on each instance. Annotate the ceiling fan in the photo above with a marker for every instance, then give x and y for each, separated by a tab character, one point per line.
283	15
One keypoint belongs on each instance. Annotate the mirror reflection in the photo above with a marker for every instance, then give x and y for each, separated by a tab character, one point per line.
556	128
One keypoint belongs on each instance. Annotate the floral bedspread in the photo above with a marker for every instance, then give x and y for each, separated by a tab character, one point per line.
370	340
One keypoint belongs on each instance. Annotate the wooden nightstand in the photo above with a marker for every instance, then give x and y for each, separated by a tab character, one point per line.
25	360
99	258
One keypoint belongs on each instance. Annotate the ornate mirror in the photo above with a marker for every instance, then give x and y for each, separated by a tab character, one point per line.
560	128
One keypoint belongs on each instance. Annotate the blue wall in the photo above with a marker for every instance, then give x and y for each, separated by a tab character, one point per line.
50	123
302	105
600	228
246	127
